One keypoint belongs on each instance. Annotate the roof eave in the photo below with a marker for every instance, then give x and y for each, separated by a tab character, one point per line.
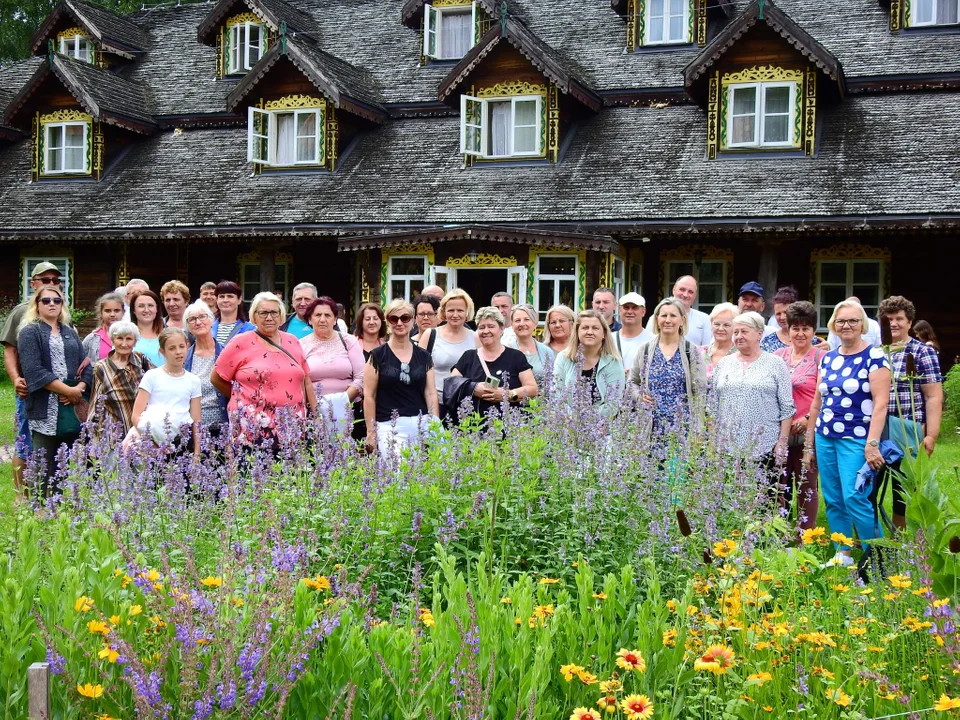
46	26
492	233
24	94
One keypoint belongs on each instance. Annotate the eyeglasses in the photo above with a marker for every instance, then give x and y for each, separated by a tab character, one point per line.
426	314
853	322
197	319
399	319
48	280
52	301
268	313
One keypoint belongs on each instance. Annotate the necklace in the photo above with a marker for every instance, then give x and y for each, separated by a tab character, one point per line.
793	353
180	374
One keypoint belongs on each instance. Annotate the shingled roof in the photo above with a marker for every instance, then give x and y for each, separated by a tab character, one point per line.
412	9
106	96
764	11
345	86
275	13
113	32
547	60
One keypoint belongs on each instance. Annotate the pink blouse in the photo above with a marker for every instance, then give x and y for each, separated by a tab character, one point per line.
333	367
803	376
105	344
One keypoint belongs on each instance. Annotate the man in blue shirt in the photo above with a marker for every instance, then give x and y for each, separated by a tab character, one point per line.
297	324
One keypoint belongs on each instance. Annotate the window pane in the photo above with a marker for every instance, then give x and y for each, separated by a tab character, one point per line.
406	266
558	266
656	8
833	272
567	292
456	35
676	28
526	112
832	295
677	7
744	115
677	271
743	128
54	160
744	101
947	12
306	137
777	100
711	272
55	137
923	11
776	129
74	136
525	140
499	128
251	273
398	289
285	139
866	272
656	29
868	294
73	159
709	295
545	298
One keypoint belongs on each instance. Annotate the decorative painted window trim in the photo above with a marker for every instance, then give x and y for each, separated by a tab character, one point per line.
264	131
803	108
74	42
534	276
46	125
696	255
639	23
475	119
424	251
63	259
283	264
235	34
613	272
849	253
911	13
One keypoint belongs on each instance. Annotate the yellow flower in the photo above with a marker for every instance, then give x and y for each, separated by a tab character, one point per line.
610	686
506	601
822	672
599	596
762	645
211	581
548	581
568	671
724	548
135	610
945	703
90	691
672	605
637	707
105	717
670	637
114	619
899	581
891	596
921	590
817	639
582	713
813	535
153	576
941	602
840	587
841	539
760	678
586	677
692	610
98	626
109	653
542	612
631	660
717	659
426	617
83	604
838	696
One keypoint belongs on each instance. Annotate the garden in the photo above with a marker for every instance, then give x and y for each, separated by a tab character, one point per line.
544	566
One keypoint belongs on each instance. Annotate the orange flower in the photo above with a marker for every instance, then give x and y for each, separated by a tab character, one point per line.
631	660
717	659
582	713
637	707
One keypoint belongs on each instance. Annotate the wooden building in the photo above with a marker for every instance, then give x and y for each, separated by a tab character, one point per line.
545	147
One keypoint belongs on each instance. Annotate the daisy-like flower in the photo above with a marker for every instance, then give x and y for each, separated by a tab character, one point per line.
568	671
83	604
319	583
841	539
587	677
610	686
946	703
813	535
717	659
724	548
90	691
631	660
637	707
760	678
900	582
212	581
582	713
542	612
670	637
99	627
839	697
135	610
109	654
426	617
608	703
548	581
599	596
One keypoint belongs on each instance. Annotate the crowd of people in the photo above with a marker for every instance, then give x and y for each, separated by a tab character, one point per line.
813	412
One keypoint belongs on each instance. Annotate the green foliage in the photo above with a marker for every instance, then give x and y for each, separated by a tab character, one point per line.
951	389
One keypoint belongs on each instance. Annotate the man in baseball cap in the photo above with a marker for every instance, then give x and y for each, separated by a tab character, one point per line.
750	298
44	273
631	335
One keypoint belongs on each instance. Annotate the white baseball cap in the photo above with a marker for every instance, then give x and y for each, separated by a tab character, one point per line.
633	299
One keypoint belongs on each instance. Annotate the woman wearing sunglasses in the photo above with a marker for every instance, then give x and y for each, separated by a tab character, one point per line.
52	359
398	379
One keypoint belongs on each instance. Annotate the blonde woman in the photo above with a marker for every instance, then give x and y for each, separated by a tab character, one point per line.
560	321
669	375
721	325
591	357
447	343
398	380
523	319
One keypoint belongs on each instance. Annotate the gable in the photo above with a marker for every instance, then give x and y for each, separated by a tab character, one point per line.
113	33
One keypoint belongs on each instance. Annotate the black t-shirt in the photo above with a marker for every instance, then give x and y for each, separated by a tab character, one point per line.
590	378
400	386
506	368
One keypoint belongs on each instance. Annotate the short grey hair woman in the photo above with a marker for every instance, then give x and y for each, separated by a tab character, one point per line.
201	357
116	379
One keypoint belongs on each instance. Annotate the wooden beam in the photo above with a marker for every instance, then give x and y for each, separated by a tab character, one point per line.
38	691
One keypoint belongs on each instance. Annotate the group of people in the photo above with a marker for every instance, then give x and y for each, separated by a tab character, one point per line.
797	405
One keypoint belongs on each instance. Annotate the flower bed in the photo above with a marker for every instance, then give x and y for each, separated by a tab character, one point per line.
561	572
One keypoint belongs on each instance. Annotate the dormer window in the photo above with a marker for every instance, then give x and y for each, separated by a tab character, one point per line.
448	31
73	43
501	128
666	22
65	148
246	43
928	13
286	138
761	115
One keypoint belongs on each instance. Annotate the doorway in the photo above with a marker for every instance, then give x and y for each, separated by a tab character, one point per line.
482	283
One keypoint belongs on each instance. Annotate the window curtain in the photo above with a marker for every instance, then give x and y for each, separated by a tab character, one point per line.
457	35
74	150
744	115
285	139
525	132
307	137
500	127
947	12
776	122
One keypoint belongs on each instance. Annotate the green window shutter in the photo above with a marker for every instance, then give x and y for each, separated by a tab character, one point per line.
641	22
798	114
691	21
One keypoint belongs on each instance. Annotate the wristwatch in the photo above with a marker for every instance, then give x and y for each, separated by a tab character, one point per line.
873	443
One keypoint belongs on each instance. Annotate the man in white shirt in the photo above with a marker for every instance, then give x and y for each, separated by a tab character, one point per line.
698	323
631	334
872	335
503	301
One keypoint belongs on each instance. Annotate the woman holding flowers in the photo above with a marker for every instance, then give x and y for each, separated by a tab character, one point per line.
108	310
116	379
57	374
803	360
559	326
600	369
850	407
398	381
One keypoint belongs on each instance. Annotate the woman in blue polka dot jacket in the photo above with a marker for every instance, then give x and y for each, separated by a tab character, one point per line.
850	407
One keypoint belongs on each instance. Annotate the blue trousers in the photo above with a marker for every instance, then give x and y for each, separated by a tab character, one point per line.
24	444
839	460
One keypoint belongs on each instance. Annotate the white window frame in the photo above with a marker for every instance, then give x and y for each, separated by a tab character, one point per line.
824	310
240	59
636	277
557	279
759	127
666	39
935	7
281	276
79	47
468	101
63	263
671	278
433	27
406	278
258	140
62	170
618	277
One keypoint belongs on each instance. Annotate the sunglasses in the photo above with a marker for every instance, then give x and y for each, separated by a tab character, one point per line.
48	280
399	319
52	301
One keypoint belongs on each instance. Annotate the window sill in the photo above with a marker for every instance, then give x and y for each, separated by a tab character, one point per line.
509	162
664	48
932	30
60	177
289	171
760	154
